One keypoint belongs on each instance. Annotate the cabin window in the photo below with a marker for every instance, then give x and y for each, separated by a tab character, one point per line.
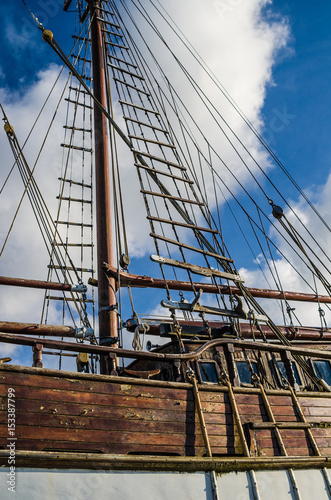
323	370
244	371
282	370
208	372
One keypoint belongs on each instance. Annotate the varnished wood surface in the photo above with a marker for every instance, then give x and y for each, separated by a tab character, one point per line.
112	415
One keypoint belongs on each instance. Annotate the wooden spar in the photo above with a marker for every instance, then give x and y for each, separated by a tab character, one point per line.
43	285
106	294
137	281
37	329
302	333
104	461
299	334
187	356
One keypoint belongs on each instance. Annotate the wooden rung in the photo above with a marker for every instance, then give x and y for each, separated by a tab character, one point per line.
195	307
76	89
160	172
68	223
113	44
153	141
66	299
78	148
183	224
73	245
83	16
126	71
106	11
143	124
75	182
77	129
113	33
122	82
66	268
85	39
204	271
109	22
146	110
157	158
80	58
281	425
78	103
170	197
68	198
111	56
85	77
189	247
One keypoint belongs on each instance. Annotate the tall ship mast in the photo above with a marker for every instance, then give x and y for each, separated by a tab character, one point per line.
174	374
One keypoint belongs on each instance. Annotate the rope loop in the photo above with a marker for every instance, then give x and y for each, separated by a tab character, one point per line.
137	343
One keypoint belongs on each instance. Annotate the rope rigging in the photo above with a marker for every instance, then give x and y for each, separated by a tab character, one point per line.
176	194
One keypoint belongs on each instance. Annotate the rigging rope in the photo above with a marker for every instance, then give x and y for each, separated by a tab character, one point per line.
210	73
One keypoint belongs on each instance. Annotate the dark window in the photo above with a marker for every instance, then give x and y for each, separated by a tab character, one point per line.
323	370
281	368
244	371
208	372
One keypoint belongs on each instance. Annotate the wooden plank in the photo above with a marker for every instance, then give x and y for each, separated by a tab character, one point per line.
140	425
204	271
111	437
96	436
131	414
171	449
323	442
40	394
321	432
271	442
280	401
126	449
78	385
292	452
285	433
307	402
90	423
318	412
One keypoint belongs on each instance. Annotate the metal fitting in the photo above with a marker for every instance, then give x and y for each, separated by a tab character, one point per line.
84	333
79	288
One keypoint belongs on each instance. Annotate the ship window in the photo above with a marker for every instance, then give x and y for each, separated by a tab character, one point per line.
244	371
282	369
208	372
323	370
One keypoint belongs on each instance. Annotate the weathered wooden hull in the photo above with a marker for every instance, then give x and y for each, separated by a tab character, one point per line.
132	438
61	411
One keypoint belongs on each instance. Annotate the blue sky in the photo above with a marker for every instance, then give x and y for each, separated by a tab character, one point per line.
300	95
296	106
302	89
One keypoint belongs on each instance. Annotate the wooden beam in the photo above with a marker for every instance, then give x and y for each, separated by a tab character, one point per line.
44	285
138	281
188	356
108	323
36	329
65	460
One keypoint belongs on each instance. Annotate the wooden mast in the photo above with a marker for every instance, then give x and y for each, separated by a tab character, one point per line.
105	253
